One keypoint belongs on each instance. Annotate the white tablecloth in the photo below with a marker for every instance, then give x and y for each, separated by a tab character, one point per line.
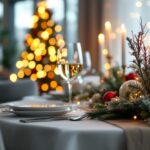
61	135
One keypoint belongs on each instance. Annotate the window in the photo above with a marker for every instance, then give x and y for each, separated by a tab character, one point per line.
22	18
125	12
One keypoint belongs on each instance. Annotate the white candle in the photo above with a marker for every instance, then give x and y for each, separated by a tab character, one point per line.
101	40
108	35
123	38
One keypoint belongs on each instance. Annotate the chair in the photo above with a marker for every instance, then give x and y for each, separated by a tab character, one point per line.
15	91
2	147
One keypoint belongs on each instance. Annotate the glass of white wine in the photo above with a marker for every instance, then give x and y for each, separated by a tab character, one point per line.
70	63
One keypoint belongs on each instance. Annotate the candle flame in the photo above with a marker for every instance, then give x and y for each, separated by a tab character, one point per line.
101	38
123	29
107	25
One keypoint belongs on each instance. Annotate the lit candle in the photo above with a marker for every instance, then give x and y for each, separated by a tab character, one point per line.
123	38
101	40
108	34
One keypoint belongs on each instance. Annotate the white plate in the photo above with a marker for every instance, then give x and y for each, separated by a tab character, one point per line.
39	113
40	107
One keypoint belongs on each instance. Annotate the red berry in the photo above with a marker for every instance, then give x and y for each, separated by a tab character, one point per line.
109	95
131	76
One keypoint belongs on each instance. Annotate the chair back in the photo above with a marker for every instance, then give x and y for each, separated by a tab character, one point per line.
10	91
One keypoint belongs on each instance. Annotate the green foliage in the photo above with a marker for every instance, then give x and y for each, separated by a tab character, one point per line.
141	60
113	82
123	109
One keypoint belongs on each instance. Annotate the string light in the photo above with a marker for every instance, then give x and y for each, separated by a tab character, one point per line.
135	117
138	3
39	59
13	77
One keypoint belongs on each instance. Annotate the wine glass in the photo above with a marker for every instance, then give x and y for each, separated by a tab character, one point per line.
87	63
70	63
86	69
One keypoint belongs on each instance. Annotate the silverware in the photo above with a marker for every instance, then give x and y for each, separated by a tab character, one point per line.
48	118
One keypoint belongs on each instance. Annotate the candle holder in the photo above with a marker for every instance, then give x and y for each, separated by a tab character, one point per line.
124	72
109	60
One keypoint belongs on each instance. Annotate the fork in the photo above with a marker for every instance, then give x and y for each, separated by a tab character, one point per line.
48	118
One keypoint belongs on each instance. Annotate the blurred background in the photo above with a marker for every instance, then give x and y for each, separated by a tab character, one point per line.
81	20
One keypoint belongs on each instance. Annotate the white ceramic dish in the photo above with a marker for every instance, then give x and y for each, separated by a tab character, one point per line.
39	107
39	113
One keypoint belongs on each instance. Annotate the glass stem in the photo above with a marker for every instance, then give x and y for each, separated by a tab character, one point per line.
70	91
80	79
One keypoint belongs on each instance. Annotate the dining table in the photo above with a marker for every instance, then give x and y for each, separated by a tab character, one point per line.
85	134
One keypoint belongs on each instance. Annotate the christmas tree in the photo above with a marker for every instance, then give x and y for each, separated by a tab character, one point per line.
38	61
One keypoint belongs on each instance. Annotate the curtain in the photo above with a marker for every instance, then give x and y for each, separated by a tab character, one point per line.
90	25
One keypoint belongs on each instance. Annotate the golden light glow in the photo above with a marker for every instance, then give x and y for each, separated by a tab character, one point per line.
52	41
50	75
53	84
49	30
59	36
27	72
135	117
107	25
29	39
44	52
24	55
101	38
59	88
123	29
50	23
56	71
25	63
78	102
40	61
107	66
35	18
47	68
45	35
58	28
105	52
33	77
42	45
41	74
20	74
44	25
35	43
53	58
44	15
44	87
13	77
34	26
53	67
38	52
39	67
19	64
30	56
41	9
64	52
32	64
60	42
38	58
51	50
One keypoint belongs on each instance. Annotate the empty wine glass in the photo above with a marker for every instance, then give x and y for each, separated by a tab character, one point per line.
70	63
86	69
87	63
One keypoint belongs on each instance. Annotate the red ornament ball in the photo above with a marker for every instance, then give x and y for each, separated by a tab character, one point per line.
131	76
109	95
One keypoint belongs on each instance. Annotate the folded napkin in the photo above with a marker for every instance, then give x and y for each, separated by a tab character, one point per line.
137	133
